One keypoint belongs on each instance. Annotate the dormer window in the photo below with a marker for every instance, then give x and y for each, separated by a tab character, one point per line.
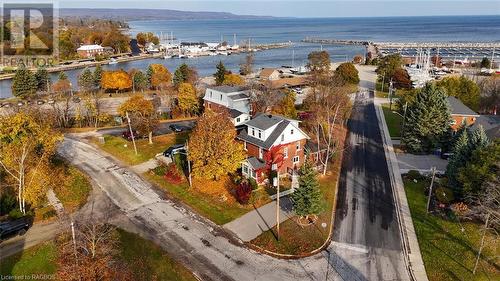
260	134
253	132
283	137
220	96
210	93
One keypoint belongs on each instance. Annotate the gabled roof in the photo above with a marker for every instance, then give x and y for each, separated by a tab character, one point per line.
458	108
268	143
235	113
264	121
242	96
289	82
89	47
266	72
226	89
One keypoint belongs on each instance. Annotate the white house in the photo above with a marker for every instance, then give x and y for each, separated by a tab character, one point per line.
233	99
90	51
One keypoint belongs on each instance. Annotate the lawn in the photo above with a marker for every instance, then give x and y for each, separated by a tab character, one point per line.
124	150
392	120
449	253
145	260
74	190
299	240
380	94
209	206
36	260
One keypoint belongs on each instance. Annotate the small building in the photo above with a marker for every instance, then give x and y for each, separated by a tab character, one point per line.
272	136
461	114
270	74
233	99
490	124
289	82
90	51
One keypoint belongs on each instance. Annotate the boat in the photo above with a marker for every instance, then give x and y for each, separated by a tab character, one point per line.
167	57
113	61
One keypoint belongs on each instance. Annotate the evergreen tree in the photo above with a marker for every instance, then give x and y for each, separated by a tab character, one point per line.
24	83
86	80
149	75
181	74
42	79
461	153
478	139
307	197
220	74
429	118
140	81
97	76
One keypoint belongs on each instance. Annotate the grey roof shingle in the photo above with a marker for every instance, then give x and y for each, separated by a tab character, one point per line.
264	121
256	163
227	89
458	108
235	113
268	143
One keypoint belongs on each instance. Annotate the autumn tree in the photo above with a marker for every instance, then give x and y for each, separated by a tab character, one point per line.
158	75
118	80
24	84
286	106
147	37
187	99
220	74
213	148
92	255
86	80
401	79
139	80
27	142
489	101
319	65
348	73
142	114
62	85
463	88
185	74
232	79
485	63
246	67
388	65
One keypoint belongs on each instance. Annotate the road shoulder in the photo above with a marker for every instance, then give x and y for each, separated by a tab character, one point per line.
412	255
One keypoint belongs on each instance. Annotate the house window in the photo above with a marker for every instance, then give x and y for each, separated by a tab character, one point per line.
297	147
210	93
244	169
296	159
291	132
283	137
252	174
260	134
285	152
220	96
238	120
253	132
261	153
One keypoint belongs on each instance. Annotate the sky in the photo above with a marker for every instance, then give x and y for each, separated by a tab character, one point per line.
301	8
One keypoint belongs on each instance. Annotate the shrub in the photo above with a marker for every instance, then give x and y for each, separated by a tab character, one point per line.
160	170
243	192
414	175
49	214
444	195
7	203
253	184
173	175
15	214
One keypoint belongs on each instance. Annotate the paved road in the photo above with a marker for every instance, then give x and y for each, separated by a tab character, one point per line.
366	231
163	128
202	246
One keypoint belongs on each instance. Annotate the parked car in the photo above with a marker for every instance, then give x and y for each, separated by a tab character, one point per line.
446	155
178	128
176	148
12	228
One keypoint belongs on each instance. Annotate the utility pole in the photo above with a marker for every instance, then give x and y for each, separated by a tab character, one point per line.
390	95
404	120
383	81
189	166
74	241
433	169
131	133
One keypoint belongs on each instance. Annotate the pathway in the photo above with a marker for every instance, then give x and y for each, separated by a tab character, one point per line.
253	223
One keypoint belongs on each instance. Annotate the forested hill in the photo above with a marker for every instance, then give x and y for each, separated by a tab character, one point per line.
149	14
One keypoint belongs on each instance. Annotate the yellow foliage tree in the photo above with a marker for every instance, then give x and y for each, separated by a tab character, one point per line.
26	145
143	117
213	148
159	76
116	80
286	106
233	80
188	101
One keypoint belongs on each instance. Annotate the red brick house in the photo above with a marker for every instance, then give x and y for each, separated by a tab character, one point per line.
272	139
461	114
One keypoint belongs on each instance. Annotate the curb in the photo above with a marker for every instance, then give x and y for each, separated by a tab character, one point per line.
411	250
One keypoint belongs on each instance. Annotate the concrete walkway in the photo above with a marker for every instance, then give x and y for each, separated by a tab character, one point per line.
253	223
421	163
